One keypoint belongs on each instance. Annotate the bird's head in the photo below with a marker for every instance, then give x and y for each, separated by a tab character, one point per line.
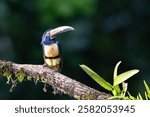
50	35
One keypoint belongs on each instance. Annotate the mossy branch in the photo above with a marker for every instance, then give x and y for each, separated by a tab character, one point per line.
17	73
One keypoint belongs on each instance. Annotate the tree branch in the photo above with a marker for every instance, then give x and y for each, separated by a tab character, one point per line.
60	83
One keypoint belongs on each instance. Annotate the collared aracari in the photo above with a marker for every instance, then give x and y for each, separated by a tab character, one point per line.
52	48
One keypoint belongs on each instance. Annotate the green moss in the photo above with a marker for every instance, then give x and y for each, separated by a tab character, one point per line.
77	97
37	78
5	70
42	79
29	78
87	96
8	76
20	76
118	98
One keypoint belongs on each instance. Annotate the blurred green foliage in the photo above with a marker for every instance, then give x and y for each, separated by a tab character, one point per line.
106	32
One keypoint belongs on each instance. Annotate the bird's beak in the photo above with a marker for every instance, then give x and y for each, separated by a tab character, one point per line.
62	29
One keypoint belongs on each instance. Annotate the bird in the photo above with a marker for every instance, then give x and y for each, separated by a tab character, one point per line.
52	48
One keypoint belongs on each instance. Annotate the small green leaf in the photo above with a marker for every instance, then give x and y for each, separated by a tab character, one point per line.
124	76
116	90
137	97
124	88
116	69
97	78
131	97
140	97
147	89
146	97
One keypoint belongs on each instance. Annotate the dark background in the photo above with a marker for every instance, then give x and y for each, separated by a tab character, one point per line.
107	31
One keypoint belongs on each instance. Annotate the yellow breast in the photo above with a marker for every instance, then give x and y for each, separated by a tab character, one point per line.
51	50
53	63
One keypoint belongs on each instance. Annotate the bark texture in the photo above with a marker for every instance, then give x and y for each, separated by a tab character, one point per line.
59	82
